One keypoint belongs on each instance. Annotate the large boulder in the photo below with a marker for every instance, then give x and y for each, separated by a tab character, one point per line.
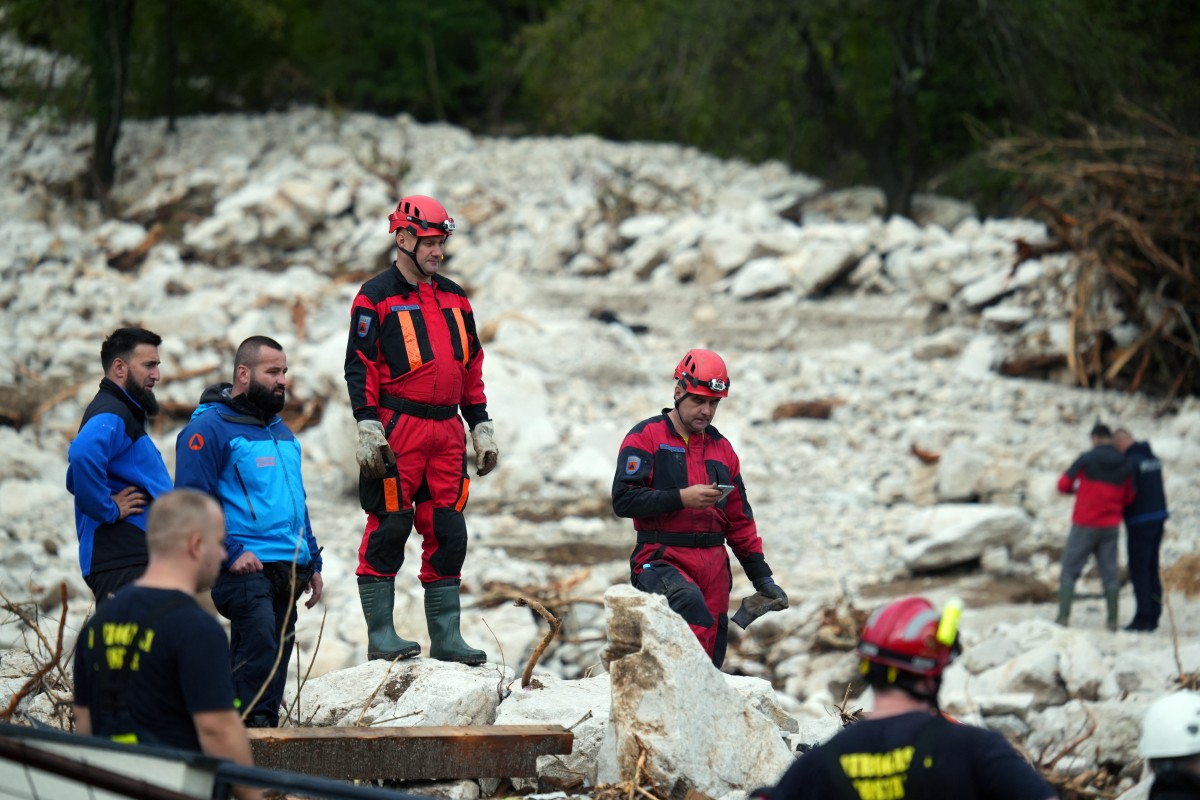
407	693
581	706
668	697
957	533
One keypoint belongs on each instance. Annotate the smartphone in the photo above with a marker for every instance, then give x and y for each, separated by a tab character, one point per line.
725	490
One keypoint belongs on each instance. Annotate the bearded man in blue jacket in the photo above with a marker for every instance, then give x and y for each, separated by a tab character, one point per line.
237	449
114	469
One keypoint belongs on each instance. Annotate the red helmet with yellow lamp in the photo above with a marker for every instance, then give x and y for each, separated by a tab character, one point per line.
912	636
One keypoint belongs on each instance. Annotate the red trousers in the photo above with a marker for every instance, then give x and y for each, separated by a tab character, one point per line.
430	474
696	582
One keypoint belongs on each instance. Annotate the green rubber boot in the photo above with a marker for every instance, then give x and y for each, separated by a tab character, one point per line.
1065	598
378	598
1112	602
442	611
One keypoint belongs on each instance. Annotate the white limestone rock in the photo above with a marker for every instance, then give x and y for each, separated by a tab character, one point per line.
412	692
1035	671
954	533
581	706
658	670
760	277
819	263
761	696
1112	729
960	471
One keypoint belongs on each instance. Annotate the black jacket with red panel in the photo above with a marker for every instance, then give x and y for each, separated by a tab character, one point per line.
1102	482
417	342
655	464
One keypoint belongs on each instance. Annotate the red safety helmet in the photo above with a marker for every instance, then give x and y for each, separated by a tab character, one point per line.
422	215
703	372
911	635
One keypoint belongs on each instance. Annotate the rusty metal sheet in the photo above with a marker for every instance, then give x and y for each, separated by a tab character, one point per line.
413	753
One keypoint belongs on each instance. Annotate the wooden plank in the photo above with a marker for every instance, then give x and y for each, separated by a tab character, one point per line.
411	753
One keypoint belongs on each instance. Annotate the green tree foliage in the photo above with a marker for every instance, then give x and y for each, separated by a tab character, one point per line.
154	57
446	60
223	52
874	90
882	91
452	60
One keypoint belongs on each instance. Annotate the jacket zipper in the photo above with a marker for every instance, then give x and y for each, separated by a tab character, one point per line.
297	517
246	494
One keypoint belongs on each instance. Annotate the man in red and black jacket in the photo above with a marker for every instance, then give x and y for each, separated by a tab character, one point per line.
1102	482
669	477
413	366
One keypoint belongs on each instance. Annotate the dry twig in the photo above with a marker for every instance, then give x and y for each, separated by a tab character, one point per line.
554	622
44	669
1125	202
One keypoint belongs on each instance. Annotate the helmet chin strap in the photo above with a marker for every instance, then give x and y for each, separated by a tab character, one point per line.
412	256
681	397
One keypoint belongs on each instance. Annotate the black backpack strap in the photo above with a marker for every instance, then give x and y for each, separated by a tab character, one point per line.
916	781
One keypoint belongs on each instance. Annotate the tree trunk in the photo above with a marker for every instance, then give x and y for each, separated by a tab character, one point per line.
171	63
111	26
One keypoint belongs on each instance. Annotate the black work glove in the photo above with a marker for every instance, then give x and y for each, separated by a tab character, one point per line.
769	597
768	587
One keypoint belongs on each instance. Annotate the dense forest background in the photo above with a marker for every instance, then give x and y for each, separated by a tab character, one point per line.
900	94
1084	112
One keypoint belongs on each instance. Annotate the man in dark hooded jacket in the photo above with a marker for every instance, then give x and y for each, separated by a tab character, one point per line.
1144	519
237	449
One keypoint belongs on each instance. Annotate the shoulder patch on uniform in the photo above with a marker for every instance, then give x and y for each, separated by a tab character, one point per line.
196	442
364	324
632	464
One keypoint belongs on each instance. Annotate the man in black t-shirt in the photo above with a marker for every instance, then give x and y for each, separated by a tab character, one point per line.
907	748
152	667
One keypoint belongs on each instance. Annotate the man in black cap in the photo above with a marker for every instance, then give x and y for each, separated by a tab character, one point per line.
1102	484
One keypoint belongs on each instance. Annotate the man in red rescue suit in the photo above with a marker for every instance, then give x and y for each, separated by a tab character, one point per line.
667	477
413	365
1102	482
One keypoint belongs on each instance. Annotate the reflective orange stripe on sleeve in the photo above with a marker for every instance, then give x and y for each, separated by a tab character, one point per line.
462	335
411	345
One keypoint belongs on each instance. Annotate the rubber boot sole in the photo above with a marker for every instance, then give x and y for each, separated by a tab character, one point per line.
471	660
404	652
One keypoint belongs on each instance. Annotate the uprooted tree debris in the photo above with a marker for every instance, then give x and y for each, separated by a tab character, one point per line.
1127	204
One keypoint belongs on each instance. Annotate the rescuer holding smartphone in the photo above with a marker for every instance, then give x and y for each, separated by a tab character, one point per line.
680	481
